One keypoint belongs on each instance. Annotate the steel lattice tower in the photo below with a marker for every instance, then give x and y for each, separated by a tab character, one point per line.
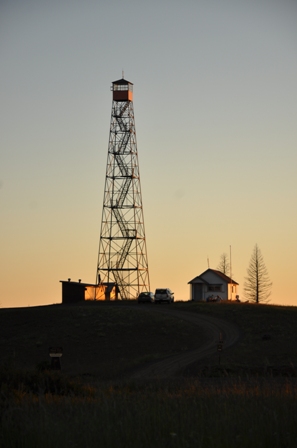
122	258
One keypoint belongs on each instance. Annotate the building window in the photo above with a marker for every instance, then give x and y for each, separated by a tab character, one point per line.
215	288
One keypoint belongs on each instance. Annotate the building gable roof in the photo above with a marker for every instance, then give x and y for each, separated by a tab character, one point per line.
225	278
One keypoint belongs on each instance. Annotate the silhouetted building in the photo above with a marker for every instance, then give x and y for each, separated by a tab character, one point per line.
73	292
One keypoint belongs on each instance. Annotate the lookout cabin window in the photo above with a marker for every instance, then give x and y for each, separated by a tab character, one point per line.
123	87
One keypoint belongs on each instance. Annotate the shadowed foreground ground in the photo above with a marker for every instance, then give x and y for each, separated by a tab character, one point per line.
119	340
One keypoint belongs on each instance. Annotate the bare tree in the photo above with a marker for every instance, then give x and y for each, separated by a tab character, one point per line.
257	286
224	265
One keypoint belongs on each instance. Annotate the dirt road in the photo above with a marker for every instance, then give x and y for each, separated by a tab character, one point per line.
211	326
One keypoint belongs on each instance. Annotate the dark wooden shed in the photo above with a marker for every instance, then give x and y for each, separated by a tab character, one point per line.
73	292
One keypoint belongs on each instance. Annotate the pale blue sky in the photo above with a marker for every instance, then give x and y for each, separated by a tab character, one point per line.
215	103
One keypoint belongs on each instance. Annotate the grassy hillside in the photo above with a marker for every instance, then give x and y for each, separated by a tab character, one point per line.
103	340
107	341
268	334
110	340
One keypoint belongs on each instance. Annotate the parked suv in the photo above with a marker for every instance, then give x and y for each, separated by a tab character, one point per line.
164	295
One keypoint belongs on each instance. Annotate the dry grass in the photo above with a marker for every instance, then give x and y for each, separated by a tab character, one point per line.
184	413
229	407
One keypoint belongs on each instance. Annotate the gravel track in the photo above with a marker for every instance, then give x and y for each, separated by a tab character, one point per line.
212	327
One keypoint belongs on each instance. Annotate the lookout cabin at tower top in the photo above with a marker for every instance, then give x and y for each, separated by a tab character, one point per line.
122	90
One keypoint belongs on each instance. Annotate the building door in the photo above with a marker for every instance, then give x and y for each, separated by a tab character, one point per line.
198	291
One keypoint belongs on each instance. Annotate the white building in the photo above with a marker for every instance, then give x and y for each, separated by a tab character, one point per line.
211	284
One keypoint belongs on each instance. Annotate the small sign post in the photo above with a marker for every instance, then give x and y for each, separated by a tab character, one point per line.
220	347
55	354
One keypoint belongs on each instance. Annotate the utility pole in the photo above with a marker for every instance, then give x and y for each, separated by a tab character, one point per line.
231	275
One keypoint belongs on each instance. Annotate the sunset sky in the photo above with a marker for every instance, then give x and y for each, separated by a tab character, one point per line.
215	102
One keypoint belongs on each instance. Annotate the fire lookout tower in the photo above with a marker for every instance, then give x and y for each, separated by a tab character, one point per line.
122	258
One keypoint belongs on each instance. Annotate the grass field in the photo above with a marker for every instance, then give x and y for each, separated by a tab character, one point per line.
90	403
184	413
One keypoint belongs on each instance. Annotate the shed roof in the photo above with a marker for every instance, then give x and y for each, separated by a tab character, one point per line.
70	282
